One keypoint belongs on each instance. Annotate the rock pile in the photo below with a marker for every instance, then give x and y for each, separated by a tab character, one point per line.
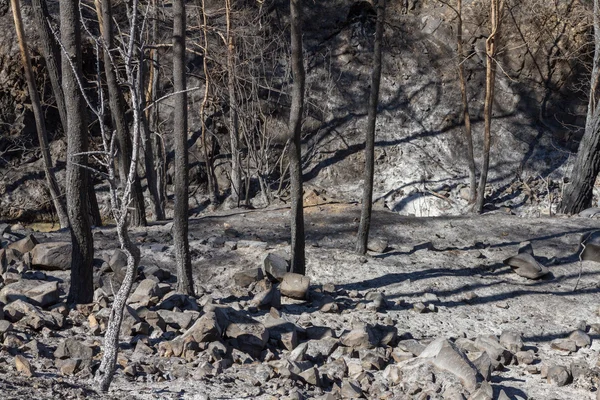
263	338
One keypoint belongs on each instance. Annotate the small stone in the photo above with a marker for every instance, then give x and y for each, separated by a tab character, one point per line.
525	357
579	368
580	338
420	308
525	265
311	376
558	375
24	245
145	291
362	337
295	286
247	277
275	267
564	345
23	365
511	340
205	329
68	367
378	245
351	390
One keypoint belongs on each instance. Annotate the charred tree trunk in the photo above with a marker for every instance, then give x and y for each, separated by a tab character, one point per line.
490	81
82	286
234	134
465	104
367	200
40	123
117	112
51	54
295	135
579	192
180	217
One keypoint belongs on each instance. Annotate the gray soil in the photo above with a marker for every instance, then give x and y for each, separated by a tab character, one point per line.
454	263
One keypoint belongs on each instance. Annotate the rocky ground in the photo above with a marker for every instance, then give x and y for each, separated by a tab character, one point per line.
431	313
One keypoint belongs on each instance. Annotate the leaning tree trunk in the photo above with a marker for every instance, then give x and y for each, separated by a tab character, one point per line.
367	200
53	188
234	134
579	192
295	135
465	103
180	218
51	54
117	112
490	80
82	286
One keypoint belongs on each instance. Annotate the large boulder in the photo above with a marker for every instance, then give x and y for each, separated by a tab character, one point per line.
275	266
51	256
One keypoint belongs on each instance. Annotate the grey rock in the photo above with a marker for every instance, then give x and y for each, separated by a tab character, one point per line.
295	286
378	245
511	340
298	353
275	267
580	338
378	300
525	357
579	369
351	390
411	346
177	319
445	356
118	262
39	293
72	348
484	365
24	245
525	248
283	331
484	392
590	212
495	350
558	375
249	335
51	256
246	277
319	350
525	265
564	345
363	337
144	292
206	328
311	376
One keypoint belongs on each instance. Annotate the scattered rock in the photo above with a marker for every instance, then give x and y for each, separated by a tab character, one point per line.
558	375
511	340
295	286
23	366
248	276
445	356
72	348
144	293
36	292
525	265
275	267
360	338
205	329
580	338
24	245
564	345
378	245
51	256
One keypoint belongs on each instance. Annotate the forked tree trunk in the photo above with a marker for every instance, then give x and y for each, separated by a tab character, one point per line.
367	200
82	286
51	54
579	192
234	131
117	112
465	103
180	218
490	80
295	135
53	188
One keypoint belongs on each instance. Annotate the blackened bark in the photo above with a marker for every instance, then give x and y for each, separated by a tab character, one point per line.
367	200
117	112
180	217
40	123
579	192
82	287
234	134
51	53
295	135
465	102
